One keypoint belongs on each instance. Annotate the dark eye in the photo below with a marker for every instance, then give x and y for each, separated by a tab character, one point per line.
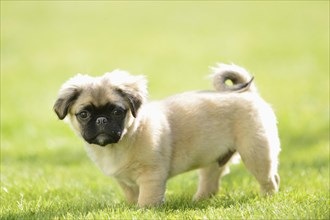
83	114
118	112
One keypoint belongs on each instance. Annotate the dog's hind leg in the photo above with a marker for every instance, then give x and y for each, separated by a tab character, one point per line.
209	181
261	159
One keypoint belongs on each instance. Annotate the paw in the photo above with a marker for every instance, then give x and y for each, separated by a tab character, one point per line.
202	196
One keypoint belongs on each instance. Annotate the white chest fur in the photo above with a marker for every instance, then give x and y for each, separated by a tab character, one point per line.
111	160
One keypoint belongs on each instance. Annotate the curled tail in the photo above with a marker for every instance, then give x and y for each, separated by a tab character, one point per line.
241	80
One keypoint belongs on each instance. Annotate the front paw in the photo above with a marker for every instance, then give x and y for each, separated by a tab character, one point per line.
151	202
203	195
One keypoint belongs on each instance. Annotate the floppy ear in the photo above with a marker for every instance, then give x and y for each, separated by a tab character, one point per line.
132	88
69	93
134	101
65	100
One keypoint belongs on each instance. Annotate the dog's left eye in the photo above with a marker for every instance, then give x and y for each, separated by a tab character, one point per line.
118	112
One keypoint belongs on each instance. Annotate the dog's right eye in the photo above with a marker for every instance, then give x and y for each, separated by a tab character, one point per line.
83	114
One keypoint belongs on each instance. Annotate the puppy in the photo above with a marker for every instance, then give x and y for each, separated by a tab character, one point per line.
143	144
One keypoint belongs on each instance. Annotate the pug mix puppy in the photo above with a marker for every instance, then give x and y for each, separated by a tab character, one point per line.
143	144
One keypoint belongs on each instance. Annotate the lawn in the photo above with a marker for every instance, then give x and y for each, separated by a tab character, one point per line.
45	172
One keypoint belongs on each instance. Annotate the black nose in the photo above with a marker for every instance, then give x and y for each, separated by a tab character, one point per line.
101	120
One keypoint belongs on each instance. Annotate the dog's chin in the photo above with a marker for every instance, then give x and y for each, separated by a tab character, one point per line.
103	140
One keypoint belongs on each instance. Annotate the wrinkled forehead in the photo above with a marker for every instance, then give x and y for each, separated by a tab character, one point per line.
99	96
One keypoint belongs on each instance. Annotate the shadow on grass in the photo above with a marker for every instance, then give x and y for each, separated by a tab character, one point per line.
184	201
65	210
93	208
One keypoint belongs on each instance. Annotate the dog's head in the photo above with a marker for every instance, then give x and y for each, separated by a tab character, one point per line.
102	108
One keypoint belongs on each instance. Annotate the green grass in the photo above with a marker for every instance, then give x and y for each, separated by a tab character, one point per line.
45	172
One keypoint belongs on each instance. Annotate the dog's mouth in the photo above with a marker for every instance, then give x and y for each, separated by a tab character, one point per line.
104	139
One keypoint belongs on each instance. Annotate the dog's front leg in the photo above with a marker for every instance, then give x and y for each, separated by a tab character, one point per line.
152	189
131	192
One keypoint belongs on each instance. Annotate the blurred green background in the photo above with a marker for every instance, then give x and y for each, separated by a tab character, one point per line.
284	44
